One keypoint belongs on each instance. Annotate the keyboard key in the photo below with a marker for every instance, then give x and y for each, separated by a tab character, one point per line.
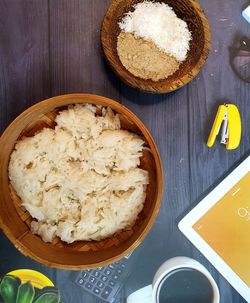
104	278
106	292
99	268
92	280
96	273
85	275
100	284
111	283
111	266
97	290
80	281
107	272
88	270
117	262
119	271
88	285
123	266
115	277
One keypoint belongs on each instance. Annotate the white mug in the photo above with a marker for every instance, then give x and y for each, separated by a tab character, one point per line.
148	294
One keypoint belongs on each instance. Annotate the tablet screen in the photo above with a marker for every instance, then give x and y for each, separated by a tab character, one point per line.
226	228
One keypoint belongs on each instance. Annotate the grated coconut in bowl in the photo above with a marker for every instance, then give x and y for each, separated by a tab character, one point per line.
155	23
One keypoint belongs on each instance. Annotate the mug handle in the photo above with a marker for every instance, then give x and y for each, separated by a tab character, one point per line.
143	295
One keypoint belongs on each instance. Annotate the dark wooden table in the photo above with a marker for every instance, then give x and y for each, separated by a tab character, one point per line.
52	47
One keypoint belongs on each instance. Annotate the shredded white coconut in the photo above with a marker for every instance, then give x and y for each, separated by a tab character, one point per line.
80	181
157	22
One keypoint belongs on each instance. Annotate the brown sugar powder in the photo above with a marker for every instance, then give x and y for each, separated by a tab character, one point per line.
144	59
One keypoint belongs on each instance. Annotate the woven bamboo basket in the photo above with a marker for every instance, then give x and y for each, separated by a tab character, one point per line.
189	11
15	220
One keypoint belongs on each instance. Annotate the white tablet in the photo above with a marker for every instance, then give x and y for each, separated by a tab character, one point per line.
219	226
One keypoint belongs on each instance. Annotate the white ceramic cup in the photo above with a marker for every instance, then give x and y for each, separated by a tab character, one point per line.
148	294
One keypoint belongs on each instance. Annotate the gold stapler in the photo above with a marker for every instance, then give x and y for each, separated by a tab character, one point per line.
229	121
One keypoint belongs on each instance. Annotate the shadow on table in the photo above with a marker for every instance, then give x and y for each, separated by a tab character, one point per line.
245	5
142	98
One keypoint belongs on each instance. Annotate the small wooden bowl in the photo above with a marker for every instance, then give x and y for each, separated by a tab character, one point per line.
15	220
189	11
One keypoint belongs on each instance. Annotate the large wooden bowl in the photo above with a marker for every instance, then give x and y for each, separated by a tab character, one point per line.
189	11
15	220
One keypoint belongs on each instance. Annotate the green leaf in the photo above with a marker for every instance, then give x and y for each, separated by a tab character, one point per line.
26	293
48	297
1	299
8	288
47	289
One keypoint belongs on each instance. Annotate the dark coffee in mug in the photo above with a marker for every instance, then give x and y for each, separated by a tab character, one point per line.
185	285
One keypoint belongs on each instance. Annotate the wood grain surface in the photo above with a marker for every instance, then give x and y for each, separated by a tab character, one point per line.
53	47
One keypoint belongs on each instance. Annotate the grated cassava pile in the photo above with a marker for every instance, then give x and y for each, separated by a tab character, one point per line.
80	181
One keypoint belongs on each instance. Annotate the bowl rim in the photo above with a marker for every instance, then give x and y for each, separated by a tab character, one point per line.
177	83
118	107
